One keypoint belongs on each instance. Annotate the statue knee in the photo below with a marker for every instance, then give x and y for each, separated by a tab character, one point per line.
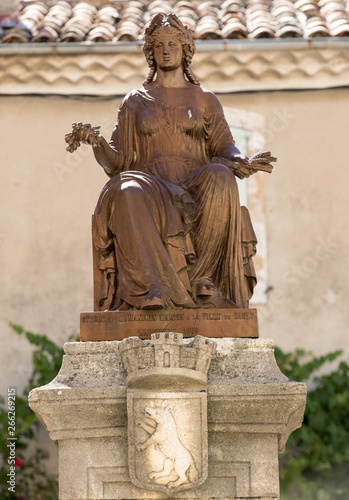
221	175
128	189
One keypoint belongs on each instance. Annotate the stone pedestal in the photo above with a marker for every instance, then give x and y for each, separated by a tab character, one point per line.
252	408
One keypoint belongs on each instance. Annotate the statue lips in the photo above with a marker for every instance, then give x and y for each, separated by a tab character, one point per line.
166	63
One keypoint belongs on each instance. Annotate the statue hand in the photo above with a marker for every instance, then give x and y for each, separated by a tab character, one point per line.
243	167
238	164
242	159
261	161
82	132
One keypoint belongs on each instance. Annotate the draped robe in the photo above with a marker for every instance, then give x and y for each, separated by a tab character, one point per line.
170	217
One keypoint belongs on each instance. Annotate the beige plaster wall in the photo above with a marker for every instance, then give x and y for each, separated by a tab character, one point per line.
307	217
48	196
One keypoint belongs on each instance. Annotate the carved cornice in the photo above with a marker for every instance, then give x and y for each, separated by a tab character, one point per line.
222	71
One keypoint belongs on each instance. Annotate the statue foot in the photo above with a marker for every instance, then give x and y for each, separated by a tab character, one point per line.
217	302
205	287
153	300
125	306
208	295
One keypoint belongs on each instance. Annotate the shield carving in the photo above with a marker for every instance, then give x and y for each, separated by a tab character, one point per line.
167	439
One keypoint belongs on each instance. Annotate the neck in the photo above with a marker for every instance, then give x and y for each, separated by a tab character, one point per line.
168	79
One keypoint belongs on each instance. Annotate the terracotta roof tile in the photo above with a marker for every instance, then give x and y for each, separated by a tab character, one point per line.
208	25
259	20
336	16
104	26
131	22
118	20
16	35
101	32
233	19
287	22
78	26
187	13
48	29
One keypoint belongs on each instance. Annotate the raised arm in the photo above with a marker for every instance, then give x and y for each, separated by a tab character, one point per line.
107	156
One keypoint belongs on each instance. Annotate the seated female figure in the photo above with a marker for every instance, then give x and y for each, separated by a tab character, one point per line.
168	229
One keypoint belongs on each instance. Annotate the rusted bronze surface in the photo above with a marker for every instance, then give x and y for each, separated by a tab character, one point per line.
168	229
117	325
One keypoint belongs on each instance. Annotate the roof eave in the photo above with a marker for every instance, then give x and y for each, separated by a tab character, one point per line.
258	45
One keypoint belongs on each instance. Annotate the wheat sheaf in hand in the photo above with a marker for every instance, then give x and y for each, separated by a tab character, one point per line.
262	161
82	132
245	168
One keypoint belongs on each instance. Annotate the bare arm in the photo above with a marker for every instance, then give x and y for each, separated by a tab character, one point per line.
106	156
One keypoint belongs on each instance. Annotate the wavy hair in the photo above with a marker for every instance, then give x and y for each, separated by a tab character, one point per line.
181	32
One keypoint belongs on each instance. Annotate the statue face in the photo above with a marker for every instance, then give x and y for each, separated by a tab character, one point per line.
168	52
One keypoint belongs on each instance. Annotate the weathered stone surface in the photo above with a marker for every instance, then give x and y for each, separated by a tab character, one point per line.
251	410
167	411
167	440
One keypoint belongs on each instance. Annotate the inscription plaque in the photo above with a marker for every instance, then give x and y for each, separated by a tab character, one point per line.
118	325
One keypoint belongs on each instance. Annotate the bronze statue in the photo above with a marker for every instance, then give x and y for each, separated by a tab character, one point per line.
168	229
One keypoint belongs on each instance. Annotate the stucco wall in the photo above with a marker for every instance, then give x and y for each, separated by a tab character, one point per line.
48	196
307	217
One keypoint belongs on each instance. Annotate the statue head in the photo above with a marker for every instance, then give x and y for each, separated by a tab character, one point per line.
169	24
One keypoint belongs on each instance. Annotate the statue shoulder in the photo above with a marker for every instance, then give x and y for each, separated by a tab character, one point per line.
212	104
132	99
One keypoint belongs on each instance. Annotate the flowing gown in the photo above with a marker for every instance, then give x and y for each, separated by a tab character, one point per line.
170	218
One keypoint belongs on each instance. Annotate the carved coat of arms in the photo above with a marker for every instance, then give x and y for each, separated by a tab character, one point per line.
167	411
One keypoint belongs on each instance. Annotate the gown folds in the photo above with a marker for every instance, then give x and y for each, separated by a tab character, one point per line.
171	218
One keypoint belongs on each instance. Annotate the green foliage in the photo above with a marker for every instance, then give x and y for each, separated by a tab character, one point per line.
291	365
32	480
47	358
315	464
